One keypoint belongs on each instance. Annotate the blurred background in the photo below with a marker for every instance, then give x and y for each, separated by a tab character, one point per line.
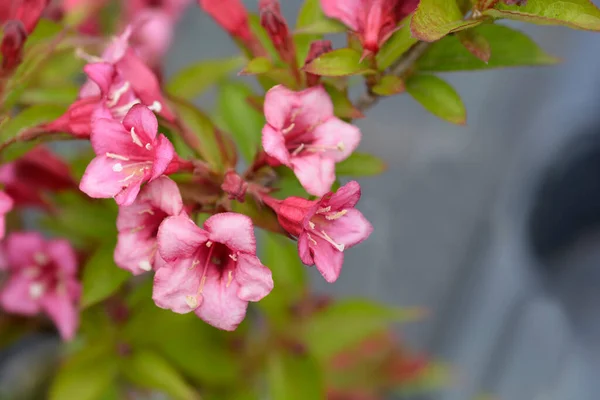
491	226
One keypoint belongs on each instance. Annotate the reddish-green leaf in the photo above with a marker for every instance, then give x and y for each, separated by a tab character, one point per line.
437	97
389	85
434	19
476	43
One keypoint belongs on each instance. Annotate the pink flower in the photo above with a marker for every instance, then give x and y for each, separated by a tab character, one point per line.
212	271
232	16
374	21
127	155
42	276
6	204
152	35
12	44
325	227
138	224
28	12
302	133
27	179
235	186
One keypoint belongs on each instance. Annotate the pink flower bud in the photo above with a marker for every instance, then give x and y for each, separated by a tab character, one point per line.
12	45
234	186
317	48
276	26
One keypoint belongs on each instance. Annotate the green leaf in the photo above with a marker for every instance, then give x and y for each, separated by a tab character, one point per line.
310	14
342	106
395	46
87	375
258	65
287	184
476	44
280	255
437	97
341	62
63	95
435	19
212	145
194	79
322	27
389	85
346	323
508	47
294	377
30	117
261	218
577	14
101	277
360	164
263	37
147	369
241	119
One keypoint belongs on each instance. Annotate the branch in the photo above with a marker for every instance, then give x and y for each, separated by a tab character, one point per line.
399	68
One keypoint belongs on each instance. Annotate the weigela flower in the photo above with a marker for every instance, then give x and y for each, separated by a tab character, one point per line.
274	23
232	16
302	133
28	179
317	48
212	271
42	276
127	155
6	204
137	224
324	227
234	186
374	21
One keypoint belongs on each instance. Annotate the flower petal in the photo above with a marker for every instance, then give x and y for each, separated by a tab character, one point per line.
104	177
328	259
163	194
278	106
304	249
110	136
15	296
349	229
345	197
315	108
337	134
347	11
233	230
134	253
62	253
102	74
273	142
129	193
164	154
221	307
316	174
180	237
176	286
61	309
20	248
143	121
255	279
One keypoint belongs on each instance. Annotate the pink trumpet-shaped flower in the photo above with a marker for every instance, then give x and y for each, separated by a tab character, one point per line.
42	276
127	155
137	247
324	227
212	271
374	21
6	204
302	133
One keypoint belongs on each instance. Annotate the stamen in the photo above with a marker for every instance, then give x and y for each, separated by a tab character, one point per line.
116	156
288	129
209	243
148	146
145	265
191	301
137	229
339	247
118	167
36	290
31	272
135	137
79	52
295	114
311	224
194	264
311	239
324	210
201	288
229	279
122	110
148	211
155	106
233	257
298	150
40	258
337	215
116	95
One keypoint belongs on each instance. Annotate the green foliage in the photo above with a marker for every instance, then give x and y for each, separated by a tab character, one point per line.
341	62
476	44
437	97
347	323
60	95
434	19
258	65
294	377
360	164
576	14
87	374
342	105
309	17
101	277
147	369
389	85
263	37
240	118
395	46
508	48
194	79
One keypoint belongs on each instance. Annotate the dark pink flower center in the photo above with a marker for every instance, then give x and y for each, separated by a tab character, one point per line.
319	223
300	136
44	276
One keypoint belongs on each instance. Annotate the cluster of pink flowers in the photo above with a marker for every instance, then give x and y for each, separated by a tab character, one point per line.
211	270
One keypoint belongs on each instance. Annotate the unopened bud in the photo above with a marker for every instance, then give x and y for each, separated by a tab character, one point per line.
12	45
317	48
276	26
234	186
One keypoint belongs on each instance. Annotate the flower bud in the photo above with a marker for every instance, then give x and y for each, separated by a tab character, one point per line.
276	26
317	48
234	186
12	45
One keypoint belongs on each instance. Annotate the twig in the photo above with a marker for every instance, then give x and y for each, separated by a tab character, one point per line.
399	68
